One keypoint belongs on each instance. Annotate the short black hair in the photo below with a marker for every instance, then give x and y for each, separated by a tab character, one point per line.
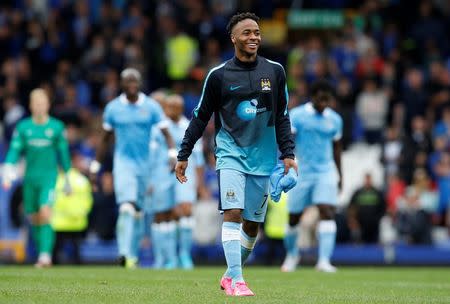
238	18
322	85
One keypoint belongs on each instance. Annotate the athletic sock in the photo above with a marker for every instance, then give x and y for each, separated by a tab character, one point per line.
157	245
124	231
36	233
247	245
46	239
231	242
327	239
171	243
138	232
185	225
290	241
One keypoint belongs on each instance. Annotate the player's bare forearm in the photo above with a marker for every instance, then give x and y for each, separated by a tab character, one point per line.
180	171
168	138
103	146
337	151
100	153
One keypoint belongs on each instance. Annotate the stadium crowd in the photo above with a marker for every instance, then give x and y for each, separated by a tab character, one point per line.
390	64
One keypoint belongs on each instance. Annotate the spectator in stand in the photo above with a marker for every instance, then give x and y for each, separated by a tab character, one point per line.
395	188
70	212
440	147
372	108
414	97
442	169
366	208
13	113
442	127
414	145
346	107
414	210
392	147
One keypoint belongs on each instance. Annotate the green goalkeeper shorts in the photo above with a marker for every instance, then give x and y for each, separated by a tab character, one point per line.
37	194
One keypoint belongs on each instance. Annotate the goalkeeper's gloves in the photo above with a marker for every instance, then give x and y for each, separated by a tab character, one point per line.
8	176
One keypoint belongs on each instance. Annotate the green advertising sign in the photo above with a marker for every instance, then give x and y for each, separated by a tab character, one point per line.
315	19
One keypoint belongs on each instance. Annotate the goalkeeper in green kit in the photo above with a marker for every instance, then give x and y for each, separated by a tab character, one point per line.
41	140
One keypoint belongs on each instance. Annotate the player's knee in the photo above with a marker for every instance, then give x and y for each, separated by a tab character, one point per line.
327	212
232	215
294	219
251	228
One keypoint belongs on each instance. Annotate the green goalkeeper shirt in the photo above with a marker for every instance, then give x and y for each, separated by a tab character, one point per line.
43	146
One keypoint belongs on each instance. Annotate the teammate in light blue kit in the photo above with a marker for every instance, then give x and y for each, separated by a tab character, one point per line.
318	131
171	201
185	194
130	116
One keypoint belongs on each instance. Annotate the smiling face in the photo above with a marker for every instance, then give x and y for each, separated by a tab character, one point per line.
246	38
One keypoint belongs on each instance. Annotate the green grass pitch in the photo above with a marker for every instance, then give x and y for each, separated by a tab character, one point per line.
91	284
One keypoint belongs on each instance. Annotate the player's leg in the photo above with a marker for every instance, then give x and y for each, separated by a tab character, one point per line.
159	238
325	197
125	233
256	195
298	199
46	197
185	227
138	230
290	243
254	213
31	207
164	228
231	186
126	189
185	195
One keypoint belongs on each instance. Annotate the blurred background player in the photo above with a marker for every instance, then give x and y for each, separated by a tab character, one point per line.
161	200
247	95
130	116
318	131
171	202
42	141
185	194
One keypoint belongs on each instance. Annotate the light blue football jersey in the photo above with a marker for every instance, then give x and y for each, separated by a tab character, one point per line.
132	124
161	173
197	159
314	135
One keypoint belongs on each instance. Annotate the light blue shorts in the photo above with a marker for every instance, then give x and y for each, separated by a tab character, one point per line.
129	187
161	200
187	192
244	191
320	188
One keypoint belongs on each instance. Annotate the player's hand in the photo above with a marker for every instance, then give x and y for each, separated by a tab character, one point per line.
180	171
9	175
290	163
6	185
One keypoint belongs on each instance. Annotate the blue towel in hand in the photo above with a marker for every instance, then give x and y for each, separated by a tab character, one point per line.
280	182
